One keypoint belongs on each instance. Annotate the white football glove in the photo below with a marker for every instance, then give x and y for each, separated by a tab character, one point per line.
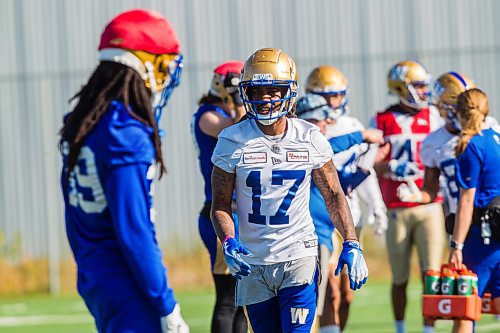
174	323
409	192
378	219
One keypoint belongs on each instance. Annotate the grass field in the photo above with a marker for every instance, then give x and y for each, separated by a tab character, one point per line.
44	314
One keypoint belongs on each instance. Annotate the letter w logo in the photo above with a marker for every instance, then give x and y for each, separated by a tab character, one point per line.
299	314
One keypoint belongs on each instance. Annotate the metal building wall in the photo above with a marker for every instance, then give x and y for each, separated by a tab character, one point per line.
48	49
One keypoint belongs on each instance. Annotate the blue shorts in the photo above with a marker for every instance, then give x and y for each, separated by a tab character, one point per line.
132	315
293	310
484	260
209	238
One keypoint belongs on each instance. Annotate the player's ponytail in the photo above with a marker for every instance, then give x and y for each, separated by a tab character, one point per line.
472	106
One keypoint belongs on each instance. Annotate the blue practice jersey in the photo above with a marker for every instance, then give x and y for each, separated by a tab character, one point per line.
206	145
109	214
478	166
346	141
322	223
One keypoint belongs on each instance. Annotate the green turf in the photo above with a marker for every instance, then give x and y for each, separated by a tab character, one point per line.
44	314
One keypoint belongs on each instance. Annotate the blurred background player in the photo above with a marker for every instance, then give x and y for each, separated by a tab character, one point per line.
405	126
438	149
314	109
269	160
477	244
111	149
219	108
354	162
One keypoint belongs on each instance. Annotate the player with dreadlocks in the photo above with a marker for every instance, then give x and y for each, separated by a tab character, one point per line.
111	147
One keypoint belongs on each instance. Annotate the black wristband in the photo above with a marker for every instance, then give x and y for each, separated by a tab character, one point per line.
456	245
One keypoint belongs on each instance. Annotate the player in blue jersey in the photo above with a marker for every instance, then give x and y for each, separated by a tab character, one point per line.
355	169
314	108
219	108
111	151
268	160
476	235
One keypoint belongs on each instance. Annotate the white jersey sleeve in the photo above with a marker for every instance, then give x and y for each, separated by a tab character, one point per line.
323	150
369	191
491	122
436	121
436	147
226	155
427	153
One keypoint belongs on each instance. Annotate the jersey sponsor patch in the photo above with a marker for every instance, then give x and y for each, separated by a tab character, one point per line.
311	243
254	158
297	156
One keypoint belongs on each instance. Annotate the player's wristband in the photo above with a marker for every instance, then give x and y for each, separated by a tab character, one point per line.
456	245
226	238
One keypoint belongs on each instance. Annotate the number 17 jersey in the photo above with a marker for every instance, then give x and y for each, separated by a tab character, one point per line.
273	178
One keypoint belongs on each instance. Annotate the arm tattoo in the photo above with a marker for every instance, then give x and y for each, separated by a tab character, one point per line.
327	181
222	196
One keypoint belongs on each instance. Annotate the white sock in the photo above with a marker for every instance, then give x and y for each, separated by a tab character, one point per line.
330	329
400	326
428	329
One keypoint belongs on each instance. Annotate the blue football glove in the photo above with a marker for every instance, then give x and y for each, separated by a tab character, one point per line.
352	256
232	253
403	168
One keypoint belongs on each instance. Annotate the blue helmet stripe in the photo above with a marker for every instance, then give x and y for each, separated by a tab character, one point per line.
460	78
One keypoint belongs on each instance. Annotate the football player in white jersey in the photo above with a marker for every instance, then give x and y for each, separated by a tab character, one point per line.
405	125
438	149
268	160
329	82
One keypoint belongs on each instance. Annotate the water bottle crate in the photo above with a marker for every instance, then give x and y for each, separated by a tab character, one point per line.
451	307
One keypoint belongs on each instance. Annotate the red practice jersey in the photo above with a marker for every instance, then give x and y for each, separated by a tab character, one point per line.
404	133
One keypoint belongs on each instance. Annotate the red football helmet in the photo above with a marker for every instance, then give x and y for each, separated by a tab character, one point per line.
146	42
225	82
